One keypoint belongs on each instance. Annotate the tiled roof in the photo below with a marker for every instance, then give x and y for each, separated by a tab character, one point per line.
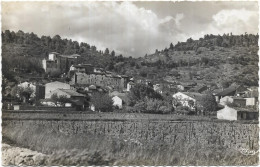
193	95
71	92
55	53
227	91
70	56
244	109
197	88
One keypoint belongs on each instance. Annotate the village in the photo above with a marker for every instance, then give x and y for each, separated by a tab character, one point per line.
78	84
130	83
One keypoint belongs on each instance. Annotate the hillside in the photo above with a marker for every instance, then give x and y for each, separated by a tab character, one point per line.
216	59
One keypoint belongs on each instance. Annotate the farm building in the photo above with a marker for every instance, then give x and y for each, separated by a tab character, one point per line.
238	101
230	91
235	113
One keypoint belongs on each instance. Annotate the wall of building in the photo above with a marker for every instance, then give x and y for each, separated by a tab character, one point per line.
40	92
250	101
184	99
117	101
99	80
225	100
227	113
50	66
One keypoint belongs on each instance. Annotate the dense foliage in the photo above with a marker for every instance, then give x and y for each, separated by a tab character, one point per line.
102	102
22	93
208	104
142	98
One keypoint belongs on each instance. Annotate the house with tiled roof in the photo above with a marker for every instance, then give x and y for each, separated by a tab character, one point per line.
188	99
230	91
237	113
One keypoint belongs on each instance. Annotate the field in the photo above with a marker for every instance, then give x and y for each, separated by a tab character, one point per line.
130	139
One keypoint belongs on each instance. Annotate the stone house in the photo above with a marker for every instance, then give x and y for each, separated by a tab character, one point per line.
230	91
59	63
235	113
236	101
100	79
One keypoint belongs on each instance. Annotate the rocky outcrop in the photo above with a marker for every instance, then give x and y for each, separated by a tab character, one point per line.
21	156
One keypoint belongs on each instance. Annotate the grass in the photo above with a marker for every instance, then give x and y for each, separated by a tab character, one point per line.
89	149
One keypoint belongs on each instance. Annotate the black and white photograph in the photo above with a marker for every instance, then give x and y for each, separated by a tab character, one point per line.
129	83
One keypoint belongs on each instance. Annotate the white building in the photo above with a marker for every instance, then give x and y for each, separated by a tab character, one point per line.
227	113
129	85
225	100
117	101
185	98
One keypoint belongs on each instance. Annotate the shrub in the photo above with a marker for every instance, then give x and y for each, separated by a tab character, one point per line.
102	102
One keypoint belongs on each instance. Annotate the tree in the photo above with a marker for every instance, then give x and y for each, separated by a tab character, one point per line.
207	104
63	99
102	102
141	91
54	99
106	51
113	53
171	46
225	84
93	48
158	106
22	93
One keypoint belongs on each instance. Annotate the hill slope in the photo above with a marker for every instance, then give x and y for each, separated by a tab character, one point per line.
216	59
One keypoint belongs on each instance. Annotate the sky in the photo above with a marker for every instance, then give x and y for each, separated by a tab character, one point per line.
131	28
